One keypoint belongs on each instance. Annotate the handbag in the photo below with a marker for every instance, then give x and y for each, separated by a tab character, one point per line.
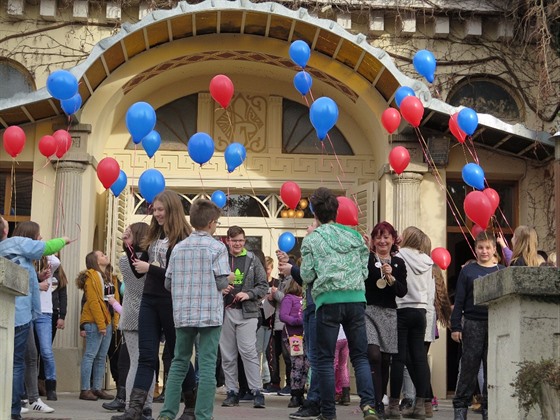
296	345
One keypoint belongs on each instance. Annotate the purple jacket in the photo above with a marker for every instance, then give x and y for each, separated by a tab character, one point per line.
291	314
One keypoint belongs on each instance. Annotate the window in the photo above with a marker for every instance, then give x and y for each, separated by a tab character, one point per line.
15	196
15	79
299	136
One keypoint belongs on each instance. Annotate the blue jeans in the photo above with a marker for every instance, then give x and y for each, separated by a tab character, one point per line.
352	318
20	343
310	349
94	357
43	336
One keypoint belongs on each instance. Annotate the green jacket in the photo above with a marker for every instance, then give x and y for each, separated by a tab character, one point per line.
335	260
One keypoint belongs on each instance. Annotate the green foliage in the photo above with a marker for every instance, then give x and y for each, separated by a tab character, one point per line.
529	378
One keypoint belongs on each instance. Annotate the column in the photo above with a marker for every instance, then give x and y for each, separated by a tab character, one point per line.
406	199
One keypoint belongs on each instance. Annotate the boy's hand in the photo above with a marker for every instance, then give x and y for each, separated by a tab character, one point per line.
231	277
282	256
457	336
285	268
227	290
240	297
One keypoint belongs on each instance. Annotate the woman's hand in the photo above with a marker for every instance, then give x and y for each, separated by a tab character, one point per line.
45	273
44	286
82	333
457	336
141	266
103	332
60	324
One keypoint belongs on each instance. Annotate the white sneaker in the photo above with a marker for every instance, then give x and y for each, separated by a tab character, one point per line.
41	407
24	410
385	399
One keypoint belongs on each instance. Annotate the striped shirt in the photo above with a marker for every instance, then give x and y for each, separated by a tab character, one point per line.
197	265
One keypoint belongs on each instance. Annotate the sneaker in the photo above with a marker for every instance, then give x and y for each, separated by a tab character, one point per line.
41	407
258	399
271	389
24	410
309	410
385	400
435	404
286	391
369	413
221	390
321	417
232	399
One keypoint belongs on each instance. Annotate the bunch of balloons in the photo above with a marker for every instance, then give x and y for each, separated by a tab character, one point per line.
463	123
63	85
140	120
300	53
411	109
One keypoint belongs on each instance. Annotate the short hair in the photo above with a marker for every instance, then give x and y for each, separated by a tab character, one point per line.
269	261
413	237
383	227
234	231
27	229
325	205
203	212
485	236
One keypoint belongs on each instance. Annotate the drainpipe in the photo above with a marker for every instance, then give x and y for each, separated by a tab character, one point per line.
556	139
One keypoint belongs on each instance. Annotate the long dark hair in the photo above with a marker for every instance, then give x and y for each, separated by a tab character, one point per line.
91	264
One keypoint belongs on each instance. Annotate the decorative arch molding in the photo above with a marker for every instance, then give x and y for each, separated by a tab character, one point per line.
15	78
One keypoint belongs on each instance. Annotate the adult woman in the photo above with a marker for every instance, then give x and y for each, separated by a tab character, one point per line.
386	281
411	321
168	227
96	322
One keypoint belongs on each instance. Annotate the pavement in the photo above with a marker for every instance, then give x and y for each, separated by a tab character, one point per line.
69	407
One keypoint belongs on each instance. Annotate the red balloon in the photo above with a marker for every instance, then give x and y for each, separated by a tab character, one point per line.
493	196
399	158
475	230
391	119
455	129
14	140
63	142
441	257
290	192
412	110
47	146
108	170
221	89
347	212
478	208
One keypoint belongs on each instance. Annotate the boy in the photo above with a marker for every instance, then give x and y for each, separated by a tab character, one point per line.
473	331
335	260
197	276
239	331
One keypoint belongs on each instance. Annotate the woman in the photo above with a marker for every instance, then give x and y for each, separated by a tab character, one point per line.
97	322
411	321
168	227
386	281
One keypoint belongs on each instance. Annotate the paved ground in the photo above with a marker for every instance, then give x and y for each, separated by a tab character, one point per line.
69	406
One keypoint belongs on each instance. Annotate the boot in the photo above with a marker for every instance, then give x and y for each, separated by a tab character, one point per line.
147	414
136	404
460	413
407	407
42	388
297	398
429	409
393	411
190	401
345	398
118	404
50	385
419	411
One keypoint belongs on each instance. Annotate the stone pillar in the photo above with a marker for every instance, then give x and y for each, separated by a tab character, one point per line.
523	324
14	281
406	199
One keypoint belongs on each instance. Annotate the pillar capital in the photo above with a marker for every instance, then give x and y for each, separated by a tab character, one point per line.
407	178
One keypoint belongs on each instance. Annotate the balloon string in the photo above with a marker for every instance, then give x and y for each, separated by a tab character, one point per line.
133	168
14	186
200	176
470	139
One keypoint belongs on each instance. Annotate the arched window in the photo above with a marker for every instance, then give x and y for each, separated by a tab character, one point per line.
488	95
299	136
15	79
176	123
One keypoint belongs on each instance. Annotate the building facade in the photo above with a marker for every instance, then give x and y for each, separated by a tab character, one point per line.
166	55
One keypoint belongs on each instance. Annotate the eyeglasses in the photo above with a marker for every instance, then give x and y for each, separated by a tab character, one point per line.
237	241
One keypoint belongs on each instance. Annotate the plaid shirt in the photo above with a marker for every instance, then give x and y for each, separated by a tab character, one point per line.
194	266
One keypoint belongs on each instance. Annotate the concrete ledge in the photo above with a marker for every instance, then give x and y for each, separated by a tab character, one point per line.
529	281
14	280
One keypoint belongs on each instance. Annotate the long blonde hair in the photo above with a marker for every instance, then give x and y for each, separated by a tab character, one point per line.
414	238
525	246
176	228
442	304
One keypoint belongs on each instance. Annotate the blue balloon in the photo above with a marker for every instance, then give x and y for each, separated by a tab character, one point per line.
140	120
219	198
473	175
150	184
119	184
303	82
72	105
300	53
201	148
151	143
425	64
286	242
235	154
323	115
402	93
62	84
467	120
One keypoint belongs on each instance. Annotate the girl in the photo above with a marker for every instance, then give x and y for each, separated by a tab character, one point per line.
168	227
292	317
97	322
525	245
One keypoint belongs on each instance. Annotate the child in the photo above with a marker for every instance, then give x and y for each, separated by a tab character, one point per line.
342	380
472	332
197	275
292	317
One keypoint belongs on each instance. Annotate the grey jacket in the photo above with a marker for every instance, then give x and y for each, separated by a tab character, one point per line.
254	284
